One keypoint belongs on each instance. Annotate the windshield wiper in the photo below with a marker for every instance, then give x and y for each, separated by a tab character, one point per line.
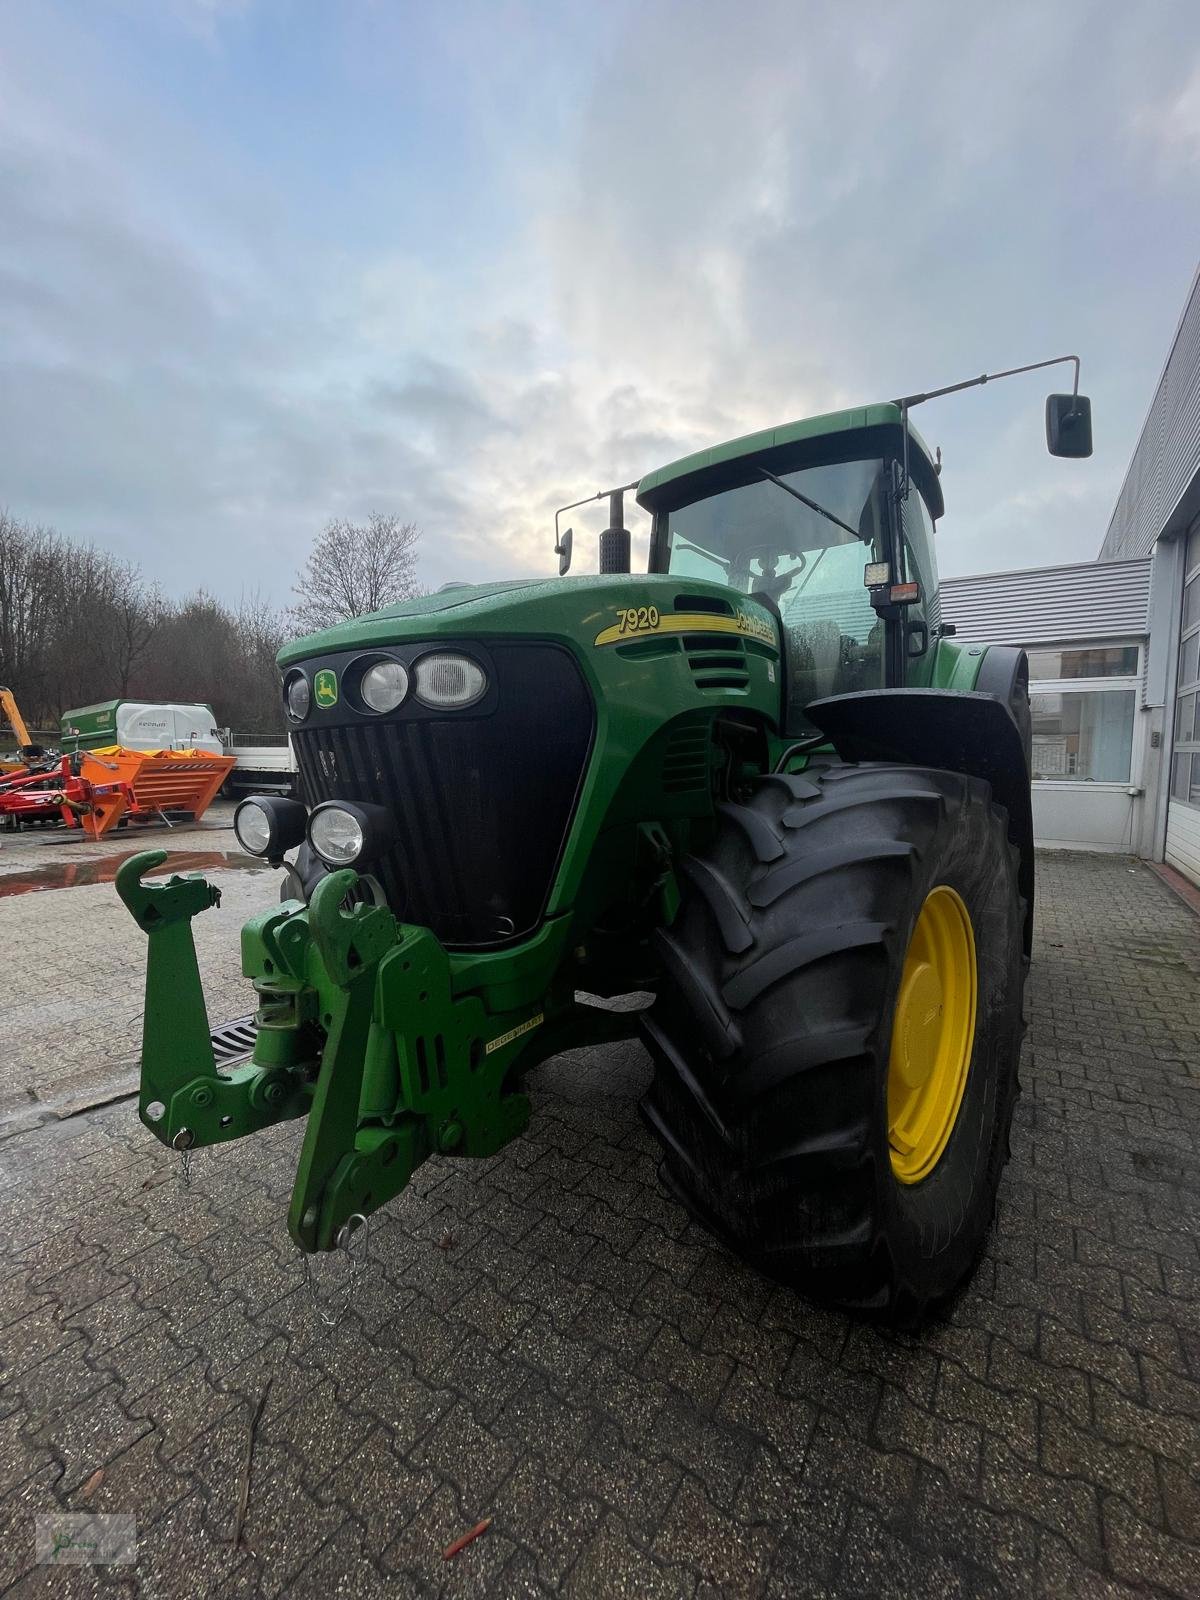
811	504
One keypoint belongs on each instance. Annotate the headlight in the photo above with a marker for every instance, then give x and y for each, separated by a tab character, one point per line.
384	685
446	681
252	827
297	696
336	835
267	825
344	832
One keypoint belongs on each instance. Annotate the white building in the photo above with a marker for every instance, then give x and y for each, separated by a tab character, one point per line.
1114	646
1158	515
1086	629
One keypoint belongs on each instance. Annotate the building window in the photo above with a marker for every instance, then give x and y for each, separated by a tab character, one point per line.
1185	717
1185	777
1084	703
1083	734
1185	763
1098	661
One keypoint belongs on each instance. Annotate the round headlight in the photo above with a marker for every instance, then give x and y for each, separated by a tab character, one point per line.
336	835
269	824
252	827
446	681
384	685
297	696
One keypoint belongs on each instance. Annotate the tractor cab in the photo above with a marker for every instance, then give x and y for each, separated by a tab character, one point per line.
819	521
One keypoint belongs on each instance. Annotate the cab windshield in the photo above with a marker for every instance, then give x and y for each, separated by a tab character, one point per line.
760	539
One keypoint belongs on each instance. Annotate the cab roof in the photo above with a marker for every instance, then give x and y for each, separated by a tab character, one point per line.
658	488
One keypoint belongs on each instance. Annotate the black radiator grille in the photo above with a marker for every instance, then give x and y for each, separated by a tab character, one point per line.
482	802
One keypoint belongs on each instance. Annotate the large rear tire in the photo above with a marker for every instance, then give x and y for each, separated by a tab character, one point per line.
837	1032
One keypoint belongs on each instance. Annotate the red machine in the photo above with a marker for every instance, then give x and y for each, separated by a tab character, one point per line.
95	789
58	792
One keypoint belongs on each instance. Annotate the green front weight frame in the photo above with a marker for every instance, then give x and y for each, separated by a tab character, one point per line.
358	1027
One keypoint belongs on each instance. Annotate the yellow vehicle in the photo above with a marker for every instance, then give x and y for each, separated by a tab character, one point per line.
27	750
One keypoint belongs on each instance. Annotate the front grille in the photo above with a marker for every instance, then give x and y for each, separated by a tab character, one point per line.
482	803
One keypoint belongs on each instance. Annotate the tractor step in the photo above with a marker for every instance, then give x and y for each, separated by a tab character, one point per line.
233	1041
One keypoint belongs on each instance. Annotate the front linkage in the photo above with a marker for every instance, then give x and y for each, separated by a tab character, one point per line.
359	1027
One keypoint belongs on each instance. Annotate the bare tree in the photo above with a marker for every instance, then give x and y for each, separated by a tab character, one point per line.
78	625
30	559
129	615
261	634
354	568
203	651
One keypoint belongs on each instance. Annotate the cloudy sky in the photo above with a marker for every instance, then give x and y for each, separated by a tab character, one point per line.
265	262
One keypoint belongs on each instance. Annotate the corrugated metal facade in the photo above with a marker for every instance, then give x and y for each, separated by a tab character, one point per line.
1050	605
1167	458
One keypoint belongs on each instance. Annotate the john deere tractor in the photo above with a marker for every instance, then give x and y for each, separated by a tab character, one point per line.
761	785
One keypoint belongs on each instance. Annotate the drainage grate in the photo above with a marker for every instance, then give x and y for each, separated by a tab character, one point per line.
233	1041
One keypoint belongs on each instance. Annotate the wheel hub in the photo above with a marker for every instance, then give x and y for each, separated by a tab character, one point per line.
933	1033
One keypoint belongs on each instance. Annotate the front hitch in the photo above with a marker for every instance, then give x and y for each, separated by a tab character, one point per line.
359	1026
409	1067
184	1100
349	946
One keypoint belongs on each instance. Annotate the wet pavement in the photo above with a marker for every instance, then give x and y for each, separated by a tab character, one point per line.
80	874
74	960
543	1338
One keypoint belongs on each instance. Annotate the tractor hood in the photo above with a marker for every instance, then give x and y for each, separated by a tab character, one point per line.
571	611
468	595
481	795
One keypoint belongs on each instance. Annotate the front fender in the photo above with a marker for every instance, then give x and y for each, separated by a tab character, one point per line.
974	732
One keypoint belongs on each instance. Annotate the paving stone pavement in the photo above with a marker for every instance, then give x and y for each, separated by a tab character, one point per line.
74	961
544	1338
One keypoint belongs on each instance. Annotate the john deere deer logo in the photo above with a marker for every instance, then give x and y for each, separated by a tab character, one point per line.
325	688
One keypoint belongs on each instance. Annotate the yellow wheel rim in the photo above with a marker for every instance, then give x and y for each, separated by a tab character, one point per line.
932	1035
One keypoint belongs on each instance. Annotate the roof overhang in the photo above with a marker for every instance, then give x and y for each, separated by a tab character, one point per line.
838	435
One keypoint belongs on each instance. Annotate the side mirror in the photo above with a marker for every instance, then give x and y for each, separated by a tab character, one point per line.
563	551
916	638
1068	425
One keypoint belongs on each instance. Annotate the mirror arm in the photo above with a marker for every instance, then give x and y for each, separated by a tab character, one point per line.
909	400
986	377
588	499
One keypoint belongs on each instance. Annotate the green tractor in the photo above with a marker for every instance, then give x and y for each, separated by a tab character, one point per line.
761	785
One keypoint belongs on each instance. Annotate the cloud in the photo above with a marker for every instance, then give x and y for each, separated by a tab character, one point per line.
1172	123
516	262
827	214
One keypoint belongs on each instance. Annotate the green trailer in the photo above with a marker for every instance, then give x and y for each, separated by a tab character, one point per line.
761	784
140	725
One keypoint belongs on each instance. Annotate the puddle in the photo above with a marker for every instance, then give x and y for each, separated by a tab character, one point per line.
103	869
